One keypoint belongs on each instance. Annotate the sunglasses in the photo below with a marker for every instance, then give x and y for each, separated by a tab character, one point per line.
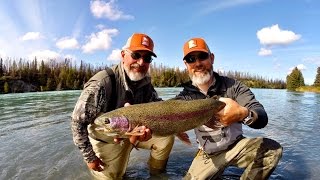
201	56
136	56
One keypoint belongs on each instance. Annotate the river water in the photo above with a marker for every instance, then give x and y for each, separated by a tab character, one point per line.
36	141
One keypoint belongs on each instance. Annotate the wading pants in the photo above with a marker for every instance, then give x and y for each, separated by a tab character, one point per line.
258	156
116	156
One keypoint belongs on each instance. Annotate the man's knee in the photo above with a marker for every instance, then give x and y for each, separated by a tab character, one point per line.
157	166
273	146
163	146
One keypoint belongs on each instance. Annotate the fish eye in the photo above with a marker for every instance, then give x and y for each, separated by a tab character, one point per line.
107	121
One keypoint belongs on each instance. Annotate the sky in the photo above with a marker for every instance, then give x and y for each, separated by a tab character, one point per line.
267	38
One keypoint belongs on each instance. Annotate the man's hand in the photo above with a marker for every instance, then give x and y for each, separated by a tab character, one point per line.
96	165
232	112
144	137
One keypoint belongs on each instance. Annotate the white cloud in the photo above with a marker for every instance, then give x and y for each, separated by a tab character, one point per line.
44	55
301	67
275	36
48	55
70	56
265	52
99	41
31	36
101	9
115	55
67	43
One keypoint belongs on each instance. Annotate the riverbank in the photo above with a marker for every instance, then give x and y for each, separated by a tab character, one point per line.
309	89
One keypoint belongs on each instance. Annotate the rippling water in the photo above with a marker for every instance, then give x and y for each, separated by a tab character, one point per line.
36	141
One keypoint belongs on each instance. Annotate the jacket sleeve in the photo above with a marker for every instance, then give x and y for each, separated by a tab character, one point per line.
92	101
243	95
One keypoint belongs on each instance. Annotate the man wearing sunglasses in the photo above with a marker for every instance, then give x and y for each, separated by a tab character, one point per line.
221	142
124	84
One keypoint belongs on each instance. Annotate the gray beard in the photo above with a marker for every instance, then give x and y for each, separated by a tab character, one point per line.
202	78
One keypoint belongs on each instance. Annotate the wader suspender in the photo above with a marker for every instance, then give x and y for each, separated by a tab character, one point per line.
112	104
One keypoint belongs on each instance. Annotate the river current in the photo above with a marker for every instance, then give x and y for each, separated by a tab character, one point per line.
36	140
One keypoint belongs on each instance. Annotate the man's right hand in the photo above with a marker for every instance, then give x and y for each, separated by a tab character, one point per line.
96	165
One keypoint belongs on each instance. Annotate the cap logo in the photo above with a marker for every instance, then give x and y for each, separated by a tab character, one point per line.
192	44
145	41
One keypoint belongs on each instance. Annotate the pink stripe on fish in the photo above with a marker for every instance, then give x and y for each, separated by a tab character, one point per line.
176	117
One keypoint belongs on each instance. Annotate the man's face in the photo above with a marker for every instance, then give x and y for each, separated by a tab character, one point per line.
199	66
136	63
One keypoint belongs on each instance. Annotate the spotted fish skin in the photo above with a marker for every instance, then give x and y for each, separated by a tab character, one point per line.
162	118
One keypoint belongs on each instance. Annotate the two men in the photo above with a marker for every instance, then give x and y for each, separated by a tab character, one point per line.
221	142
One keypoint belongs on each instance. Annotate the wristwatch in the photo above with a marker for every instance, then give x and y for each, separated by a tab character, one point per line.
249	119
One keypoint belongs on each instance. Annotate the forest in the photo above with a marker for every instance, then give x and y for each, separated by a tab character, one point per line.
21	75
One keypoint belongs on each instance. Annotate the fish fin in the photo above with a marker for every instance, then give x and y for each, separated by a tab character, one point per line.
136	131
183	136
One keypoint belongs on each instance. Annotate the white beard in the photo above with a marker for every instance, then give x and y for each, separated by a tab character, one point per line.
202	78
134	76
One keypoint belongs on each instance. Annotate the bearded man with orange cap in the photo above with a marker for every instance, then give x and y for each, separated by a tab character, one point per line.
221	142
123	84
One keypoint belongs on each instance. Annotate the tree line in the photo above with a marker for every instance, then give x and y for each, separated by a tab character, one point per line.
53	75
295	81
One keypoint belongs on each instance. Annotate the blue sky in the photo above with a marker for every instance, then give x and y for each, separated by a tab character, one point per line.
262	37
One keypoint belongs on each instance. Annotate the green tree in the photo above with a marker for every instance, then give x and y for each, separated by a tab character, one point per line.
295	79
62	79
50	85
42	74
6	88
317	80
1	67
71	77
13	69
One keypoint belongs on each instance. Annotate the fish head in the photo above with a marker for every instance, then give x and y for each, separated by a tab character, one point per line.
112	126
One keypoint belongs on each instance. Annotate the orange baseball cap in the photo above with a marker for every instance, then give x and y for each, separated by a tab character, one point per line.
140	41
195	44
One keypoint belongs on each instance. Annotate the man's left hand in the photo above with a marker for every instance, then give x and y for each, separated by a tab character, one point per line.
144	137
232	112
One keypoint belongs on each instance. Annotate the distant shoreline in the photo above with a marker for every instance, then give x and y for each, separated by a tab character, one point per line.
313	89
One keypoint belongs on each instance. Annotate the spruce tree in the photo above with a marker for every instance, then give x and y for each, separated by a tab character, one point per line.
295	79
317	80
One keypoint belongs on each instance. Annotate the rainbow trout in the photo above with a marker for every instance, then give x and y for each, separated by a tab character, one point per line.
162	117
